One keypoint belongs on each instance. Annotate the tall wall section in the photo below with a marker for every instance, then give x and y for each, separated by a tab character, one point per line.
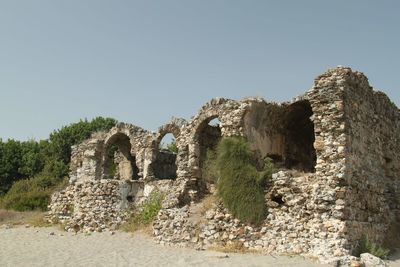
372	181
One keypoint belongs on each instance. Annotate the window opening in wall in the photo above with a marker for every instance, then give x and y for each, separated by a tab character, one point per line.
299	137
164	166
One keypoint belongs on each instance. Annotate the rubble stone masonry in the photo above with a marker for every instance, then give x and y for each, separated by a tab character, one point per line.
336	148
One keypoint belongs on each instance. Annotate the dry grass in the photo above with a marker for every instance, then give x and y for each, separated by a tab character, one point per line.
207	203
34	218
133	227
231	247
39	221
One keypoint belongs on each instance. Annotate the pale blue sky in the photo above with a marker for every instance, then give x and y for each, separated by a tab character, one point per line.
145	61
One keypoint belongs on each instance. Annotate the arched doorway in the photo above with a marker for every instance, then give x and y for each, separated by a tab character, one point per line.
119	163
164	165
207	136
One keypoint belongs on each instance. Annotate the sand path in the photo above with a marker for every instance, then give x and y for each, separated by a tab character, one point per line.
22	246
39	247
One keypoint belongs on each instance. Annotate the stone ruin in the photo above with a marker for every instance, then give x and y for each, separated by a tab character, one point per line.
336	147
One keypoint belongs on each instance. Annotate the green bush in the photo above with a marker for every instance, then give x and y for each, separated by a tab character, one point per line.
267	171
30	170
150	208
27	195
147	212
240	185
365	245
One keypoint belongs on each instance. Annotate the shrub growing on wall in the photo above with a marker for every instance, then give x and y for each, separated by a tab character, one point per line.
146	213
240	185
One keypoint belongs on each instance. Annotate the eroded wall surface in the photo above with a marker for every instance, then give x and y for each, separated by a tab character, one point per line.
336	148
372	180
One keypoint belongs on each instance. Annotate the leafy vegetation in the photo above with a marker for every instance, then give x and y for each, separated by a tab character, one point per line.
30	171
171	146
19	160
366	245
146	214
240	184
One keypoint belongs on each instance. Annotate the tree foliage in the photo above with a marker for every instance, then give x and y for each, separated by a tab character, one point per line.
29	170
62	139
172	147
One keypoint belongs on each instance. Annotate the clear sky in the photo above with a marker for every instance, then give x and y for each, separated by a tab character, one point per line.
143	62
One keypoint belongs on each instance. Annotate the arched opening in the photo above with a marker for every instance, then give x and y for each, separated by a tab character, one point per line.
299	137
164	165
119	163
208	137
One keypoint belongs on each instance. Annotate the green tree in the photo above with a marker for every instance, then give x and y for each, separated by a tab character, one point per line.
32	160
62	139
10	162
45	163
172	147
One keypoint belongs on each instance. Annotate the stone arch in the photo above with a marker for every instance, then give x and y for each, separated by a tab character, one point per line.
174	127
206	138
165	163
118	161
300	137
203	137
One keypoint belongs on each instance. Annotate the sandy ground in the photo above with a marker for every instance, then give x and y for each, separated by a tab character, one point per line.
20	246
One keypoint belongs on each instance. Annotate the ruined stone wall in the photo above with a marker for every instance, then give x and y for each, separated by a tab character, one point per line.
229	112
100	205
264	128
85	164
327	200
89	206
372	181
283	132
165	165
174	127
305	209
140	141
289	227
338	180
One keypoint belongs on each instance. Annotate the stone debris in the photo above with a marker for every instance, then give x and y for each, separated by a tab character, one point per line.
336	148
371	261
